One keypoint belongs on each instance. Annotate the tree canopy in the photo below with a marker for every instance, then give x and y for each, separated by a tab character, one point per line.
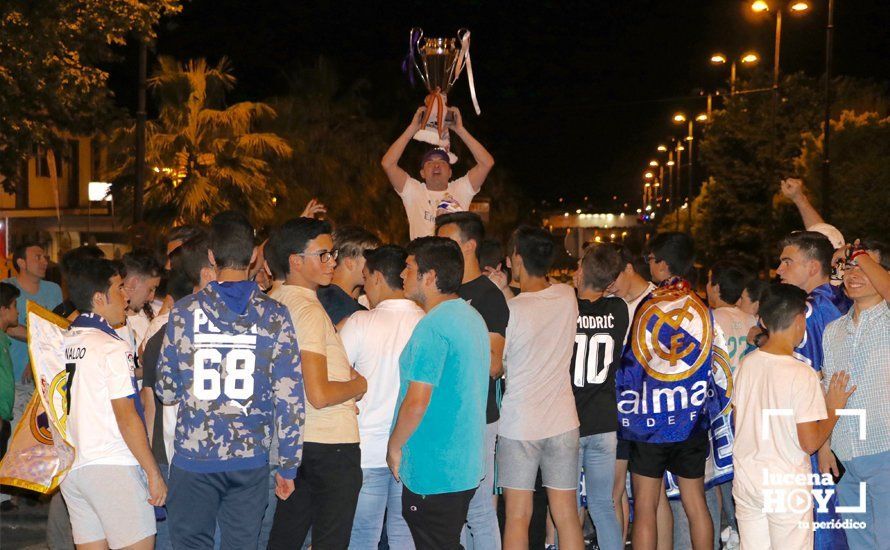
51	80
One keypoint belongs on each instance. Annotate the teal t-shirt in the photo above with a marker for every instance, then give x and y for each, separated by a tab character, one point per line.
49	295
449	349
7	383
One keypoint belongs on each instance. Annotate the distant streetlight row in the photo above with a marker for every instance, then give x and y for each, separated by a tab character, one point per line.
746	58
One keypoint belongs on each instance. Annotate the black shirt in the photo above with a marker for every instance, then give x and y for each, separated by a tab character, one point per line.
150	356
599	342
337	303
489	301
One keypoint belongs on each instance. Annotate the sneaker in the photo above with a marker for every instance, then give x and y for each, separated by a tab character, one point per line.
732	540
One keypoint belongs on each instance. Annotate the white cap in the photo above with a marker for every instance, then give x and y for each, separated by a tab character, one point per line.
830	231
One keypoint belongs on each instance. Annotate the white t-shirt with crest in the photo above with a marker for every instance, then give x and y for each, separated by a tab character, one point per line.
422	205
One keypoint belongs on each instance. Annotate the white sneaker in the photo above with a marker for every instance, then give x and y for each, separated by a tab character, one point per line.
732	542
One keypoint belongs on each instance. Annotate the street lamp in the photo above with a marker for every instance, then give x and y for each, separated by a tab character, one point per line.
653	163
760	6
680	118
747	58
662	149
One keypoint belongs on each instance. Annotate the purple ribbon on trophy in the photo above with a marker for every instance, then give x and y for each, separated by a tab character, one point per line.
439	63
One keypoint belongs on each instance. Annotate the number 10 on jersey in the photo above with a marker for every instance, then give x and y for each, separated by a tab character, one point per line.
588	369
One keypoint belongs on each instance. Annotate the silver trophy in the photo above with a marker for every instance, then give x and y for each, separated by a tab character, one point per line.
439	62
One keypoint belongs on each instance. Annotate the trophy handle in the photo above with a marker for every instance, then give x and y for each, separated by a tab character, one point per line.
464	57
414	38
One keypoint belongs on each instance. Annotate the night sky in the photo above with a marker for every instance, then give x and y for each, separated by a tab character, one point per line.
575	95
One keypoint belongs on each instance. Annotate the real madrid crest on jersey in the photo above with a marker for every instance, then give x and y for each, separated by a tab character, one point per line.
666	374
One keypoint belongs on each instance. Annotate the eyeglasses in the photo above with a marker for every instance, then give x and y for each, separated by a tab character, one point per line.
324	256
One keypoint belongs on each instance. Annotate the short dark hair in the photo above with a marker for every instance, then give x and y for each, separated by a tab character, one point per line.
388	260
8	294
468	223
79	253
731	278
442	256
536	248
184	232
291	238
87	277
881	248
20	250
675	248
231	240
192	257
601	265
813	245
352	241
179	284
780	305
756	289
142	263
491	253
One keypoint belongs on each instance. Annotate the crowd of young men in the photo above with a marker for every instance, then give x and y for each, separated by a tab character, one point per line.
323	388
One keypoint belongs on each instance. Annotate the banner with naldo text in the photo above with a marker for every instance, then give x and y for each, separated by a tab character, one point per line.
40	451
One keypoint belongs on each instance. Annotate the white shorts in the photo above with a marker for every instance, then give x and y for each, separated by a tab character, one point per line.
109	502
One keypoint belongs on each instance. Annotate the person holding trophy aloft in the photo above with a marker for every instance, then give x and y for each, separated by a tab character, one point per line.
438	194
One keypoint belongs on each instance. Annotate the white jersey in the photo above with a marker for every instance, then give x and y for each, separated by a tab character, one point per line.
102	368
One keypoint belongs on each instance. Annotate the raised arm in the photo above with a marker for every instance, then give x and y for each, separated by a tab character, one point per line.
390	162
792	188
484	160
879	277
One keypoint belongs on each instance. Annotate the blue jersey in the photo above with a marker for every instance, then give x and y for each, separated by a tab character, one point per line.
230	360
821	310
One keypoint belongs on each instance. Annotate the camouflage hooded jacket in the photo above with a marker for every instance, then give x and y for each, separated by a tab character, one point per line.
230	360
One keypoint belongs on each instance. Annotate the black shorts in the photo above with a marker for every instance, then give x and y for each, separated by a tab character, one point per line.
622	452
685	459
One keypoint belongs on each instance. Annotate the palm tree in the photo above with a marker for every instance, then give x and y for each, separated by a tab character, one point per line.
338	147
205	157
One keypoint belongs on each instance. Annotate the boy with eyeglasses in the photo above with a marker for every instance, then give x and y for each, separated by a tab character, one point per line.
301	256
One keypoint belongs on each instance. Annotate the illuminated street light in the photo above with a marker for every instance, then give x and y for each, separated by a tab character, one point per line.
702	117
648	175
800	6
679	117
760	6
653	163
670	163
750	57
718	59
662	148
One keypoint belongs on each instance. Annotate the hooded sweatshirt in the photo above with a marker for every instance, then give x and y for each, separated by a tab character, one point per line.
230	360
